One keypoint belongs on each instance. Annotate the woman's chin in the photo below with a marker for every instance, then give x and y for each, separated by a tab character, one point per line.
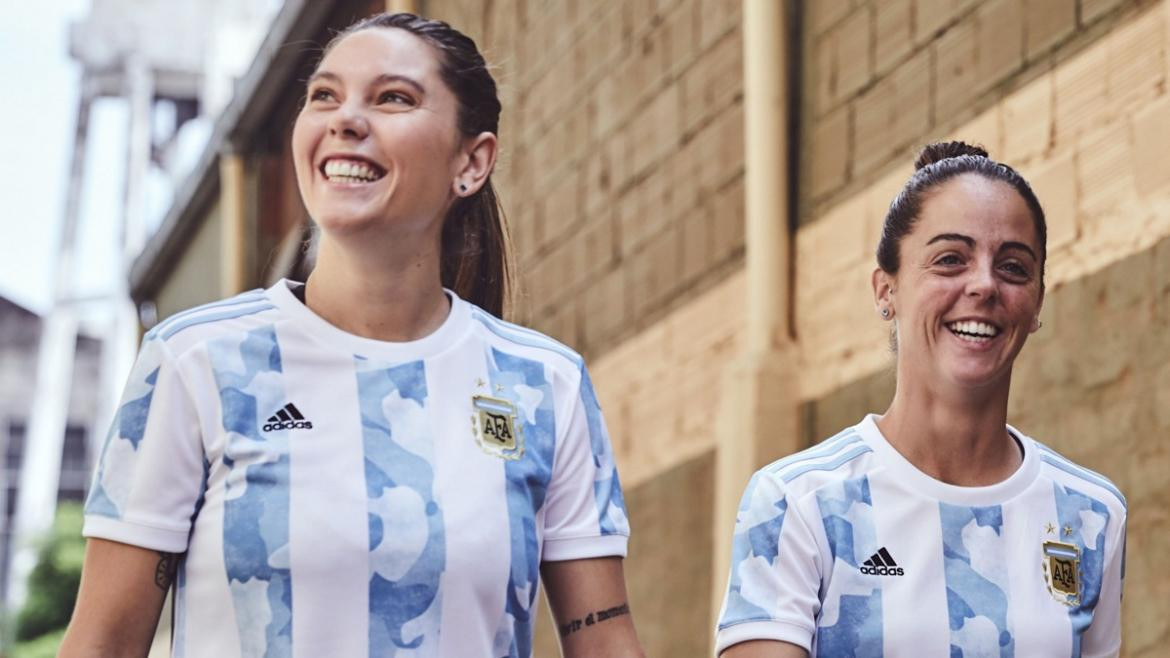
340	223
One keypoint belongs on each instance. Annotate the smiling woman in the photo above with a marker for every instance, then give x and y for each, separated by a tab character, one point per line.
936	528
371	462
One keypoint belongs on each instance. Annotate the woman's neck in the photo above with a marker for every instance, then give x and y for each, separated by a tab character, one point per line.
959	439
395	295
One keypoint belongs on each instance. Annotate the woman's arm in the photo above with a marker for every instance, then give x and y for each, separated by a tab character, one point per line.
118	605
590	608
764	649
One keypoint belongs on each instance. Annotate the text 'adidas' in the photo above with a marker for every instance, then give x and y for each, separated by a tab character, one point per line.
881	564
287	418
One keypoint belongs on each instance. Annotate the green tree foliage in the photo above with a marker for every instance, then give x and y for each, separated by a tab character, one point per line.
52	586
45	646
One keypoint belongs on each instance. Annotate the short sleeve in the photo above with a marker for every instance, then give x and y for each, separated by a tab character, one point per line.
772	591
585	514
150	474
1104	635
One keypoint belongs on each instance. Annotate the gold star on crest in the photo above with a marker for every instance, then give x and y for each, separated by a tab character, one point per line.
1050	528
499	388
1067	530
480	383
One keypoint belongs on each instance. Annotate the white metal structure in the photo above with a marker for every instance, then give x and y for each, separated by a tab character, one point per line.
184	52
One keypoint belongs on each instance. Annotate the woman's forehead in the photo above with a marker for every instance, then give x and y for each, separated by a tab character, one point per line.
973	205
382	50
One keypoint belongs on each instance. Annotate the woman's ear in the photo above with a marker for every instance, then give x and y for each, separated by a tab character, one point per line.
883	293
478	158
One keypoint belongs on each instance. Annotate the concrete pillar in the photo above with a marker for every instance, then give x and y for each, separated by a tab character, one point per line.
40	471
233	228
758	420
396	6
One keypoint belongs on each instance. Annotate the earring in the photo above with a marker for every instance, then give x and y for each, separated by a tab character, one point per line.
1039	324
885	314
462	187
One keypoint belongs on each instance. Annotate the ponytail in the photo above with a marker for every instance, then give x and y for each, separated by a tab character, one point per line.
475	261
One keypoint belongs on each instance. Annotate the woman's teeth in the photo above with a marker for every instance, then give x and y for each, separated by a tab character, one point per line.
349	171
973	331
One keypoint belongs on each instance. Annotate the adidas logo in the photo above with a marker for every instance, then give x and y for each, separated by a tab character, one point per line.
881	564
287	418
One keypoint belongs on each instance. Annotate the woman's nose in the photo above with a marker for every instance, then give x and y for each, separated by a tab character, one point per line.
981	282
348	121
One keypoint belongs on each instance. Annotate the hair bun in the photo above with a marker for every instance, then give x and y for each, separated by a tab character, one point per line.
932	153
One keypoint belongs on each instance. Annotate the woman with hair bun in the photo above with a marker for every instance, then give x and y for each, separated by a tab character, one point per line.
371	463
936	529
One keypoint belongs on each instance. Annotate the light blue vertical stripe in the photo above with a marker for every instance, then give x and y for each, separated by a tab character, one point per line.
256	519
607	490
408	552
758	523
974	565
1072	507
516	379
846	509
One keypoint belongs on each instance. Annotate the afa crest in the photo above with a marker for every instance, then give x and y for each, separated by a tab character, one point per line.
1062	568
495	426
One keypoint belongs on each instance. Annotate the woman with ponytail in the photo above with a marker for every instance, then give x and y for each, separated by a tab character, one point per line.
936	529
372	463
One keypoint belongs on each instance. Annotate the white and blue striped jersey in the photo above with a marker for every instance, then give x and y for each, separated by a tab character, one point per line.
340	496
847	549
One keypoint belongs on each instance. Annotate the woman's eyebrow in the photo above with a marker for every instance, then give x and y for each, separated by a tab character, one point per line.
394	77
1018	245
384	78
959	237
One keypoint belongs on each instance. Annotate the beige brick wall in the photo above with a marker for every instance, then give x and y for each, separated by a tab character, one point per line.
1088	128
880	77
622	164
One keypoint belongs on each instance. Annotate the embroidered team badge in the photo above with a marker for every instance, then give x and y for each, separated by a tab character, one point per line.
495	427
1062	567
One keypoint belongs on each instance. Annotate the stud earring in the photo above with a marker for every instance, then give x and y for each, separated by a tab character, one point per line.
462	187
885	314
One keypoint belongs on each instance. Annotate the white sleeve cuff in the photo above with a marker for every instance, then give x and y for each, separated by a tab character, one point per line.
136	534
577	548
771	629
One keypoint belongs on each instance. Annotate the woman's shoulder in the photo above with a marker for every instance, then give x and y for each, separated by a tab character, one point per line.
199	323
1073	475
832	462
527	343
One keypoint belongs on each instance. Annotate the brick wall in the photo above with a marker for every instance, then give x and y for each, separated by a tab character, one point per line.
622	167
1087	125
882	76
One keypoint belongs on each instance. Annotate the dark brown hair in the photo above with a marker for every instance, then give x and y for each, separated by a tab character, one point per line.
936	164
475	260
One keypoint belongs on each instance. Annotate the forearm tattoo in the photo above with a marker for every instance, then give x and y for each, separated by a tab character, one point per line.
164	573
593	618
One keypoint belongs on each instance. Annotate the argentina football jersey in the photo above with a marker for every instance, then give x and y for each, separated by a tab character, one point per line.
336	495
847	549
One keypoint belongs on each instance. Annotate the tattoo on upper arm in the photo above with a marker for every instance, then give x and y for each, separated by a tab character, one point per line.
574	625
164	573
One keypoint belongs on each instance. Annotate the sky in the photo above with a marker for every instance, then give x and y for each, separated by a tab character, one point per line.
38	119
